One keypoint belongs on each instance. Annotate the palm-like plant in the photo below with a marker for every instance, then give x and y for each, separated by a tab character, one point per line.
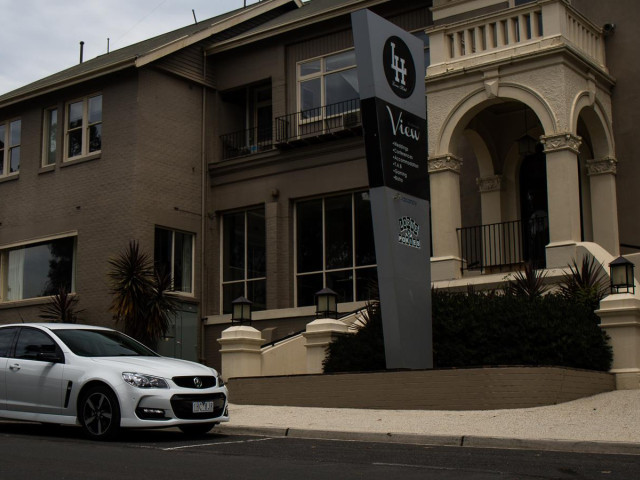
528	282
585	283
140	301
61	308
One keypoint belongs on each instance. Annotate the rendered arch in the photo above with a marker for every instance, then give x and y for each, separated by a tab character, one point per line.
597	123
457	120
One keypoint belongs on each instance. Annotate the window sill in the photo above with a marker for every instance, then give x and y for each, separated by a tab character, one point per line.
77	160
10	177
47	168
25	303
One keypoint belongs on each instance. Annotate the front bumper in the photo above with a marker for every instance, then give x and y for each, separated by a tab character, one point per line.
160	407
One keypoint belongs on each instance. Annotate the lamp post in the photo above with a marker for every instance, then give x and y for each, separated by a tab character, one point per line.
621	272
241	312
326	304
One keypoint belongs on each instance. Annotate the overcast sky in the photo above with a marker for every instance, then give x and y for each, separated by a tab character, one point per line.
42	37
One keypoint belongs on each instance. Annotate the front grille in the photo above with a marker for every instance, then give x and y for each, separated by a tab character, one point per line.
183	405
190	382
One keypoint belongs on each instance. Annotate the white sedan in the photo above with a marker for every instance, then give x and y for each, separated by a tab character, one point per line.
102	380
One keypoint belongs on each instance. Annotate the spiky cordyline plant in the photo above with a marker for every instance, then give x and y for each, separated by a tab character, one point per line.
61	308
140	301
585	283
528	282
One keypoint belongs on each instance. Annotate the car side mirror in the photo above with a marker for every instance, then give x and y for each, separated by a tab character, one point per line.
52	357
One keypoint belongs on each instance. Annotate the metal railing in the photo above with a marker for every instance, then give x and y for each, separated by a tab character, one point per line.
246	142
501	246
318	121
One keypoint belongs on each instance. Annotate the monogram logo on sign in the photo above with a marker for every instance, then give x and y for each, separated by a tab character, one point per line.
399	67
409	234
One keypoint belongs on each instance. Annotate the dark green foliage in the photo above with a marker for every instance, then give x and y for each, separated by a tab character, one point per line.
586	283
528	282
140	301
359	352
487	329
62	308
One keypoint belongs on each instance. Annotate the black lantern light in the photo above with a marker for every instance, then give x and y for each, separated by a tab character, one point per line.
621	271
326	304
241	310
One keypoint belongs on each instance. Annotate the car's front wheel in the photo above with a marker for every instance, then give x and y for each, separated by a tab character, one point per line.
196	429
99	413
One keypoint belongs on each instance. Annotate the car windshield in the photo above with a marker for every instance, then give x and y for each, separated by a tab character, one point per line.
102	343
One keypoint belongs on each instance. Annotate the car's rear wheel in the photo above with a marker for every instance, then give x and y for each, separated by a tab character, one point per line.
99	413
196	429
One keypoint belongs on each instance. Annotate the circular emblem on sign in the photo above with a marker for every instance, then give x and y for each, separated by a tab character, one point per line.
399	67
197	382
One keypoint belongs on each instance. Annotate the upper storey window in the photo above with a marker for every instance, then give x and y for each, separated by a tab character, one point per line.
10	133
327	80
83	128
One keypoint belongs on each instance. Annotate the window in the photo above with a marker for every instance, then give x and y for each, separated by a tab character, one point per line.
10	133
38	269
32	342
329	80
50	136
83	128
6	340
173	255
244	267
335	248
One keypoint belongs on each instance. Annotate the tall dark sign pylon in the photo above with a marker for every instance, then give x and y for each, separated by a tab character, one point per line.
392	101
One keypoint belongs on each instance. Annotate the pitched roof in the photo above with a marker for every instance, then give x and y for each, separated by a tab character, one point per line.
144	52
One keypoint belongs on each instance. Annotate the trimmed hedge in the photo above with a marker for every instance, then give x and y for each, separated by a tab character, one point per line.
486	329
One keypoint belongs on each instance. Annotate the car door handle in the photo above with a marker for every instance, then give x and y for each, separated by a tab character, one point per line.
15	367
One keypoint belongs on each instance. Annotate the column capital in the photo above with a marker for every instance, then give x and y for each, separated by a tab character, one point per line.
444	162
602	166
562	141
489	184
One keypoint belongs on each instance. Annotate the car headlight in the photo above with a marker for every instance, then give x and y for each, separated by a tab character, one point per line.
220	380
141	380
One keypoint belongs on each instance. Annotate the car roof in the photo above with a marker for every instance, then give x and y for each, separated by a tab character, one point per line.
56	326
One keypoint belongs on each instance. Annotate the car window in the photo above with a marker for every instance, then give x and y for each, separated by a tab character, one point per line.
31	342
102	343
6	339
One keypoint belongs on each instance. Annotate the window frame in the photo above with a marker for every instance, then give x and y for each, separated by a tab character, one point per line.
8	147
245	280
84	128
4	264
324	270
321	74
47	138
173	231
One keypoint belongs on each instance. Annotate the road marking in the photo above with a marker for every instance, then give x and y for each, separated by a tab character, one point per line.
183	447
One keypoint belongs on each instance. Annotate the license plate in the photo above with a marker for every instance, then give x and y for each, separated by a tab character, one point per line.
203	407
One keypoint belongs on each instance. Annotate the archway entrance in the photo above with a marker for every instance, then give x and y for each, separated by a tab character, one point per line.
534	209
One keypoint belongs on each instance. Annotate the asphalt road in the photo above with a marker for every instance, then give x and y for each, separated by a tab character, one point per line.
39	452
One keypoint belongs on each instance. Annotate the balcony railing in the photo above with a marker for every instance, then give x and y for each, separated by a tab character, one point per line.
246	142
320	121
503	246
523	30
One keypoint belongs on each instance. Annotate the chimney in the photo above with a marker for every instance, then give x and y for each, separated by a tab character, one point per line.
81	50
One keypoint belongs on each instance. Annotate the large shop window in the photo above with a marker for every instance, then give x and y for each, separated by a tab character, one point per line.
326	81
83	128
38	270
335	248
10	133
244	251
173	255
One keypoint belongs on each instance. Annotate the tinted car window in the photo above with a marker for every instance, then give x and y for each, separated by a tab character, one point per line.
102	343
31	342
6	338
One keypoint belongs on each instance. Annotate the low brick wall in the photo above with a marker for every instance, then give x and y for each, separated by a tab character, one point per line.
448	389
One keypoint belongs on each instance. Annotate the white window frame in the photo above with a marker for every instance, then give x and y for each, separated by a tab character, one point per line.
353	268
173	258
5	154
86	126
4	263
322	74
46	136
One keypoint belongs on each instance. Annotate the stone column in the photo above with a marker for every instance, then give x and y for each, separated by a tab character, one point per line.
620	315
490	203
444	180
604	205
563	194
240	351
318	335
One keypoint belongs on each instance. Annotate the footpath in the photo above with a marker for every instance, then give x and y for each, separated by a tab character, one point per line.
606	423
